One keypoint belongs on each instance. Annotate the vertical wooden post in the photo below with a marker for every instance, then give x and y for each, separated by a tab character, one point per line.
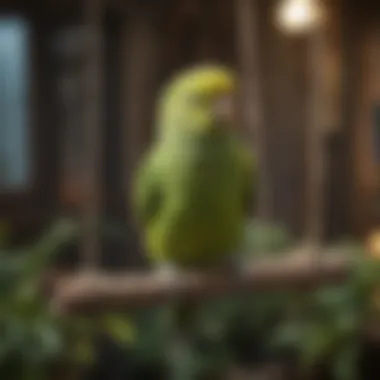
325	112
92	120
248	40
140	63
314	145
140	53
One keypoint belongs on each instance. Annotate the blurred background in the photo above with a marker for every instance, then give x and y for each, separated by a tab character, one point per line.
78	83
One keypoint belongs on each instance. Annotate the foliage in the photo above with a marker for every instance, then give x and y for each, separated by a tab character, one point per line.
228	331
324	326
32	337
327	325
4	234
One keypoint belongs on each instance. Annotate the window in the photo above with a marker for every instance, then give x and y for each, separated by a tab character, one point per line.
15	160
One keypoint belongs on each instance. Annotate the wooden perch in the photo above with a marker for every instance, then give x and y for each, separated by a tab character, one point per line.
97	292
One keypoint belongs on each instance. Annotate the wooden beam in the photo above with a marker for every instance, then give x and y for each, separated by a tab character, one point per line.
315	173
92	120
96	293
325	116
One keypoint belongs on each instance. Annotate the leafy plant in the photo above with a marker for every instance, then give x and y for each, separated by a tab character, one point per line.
29	333
325	326
328	324
32	337
4	233
247	329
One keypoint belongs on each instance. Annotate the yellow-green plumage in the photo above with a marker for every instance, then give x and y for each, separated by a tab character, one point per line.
193	187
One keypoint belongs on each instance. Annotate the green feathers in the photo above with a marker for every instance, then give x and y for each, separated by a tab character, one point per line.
186	102
192	187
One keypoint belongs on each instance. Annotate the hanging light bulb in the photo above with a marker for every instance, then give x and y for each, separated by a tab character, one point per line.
298	16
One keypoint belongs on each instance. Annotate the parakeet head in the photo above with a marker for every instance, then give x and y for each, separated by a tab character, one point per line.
198	100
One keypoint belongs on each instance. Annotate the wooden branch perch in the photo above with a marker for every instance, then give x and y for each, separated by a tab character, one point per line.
97	292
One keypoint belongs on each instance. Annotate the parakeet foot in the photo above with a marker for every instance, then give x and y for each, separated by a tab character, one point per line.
168	273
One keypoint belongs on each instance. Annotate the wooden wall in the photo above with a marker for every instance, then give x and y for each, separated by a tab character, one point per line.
286	85
149	42
29	210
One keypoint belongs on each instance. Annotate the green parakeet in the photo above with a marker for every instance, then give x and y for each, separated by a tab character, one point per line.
194	186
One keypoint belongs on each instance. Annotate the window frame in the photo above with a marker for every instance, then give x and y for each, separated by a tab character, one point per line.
37	199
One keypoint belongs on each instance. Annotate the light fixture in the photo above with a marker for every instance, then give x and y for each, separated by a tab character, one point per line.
298	16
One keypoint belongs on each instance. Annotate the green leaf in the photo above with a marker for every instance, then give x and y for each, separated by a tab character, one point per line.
348	322
351	247
366	274
319	342
211	363
331	297
289	335
346	361
181	361
49	337
84	351
39	256
121	328
4	233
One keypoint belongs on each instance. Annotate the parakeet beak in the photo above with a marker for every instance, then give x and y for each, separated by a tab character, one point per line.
224	108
